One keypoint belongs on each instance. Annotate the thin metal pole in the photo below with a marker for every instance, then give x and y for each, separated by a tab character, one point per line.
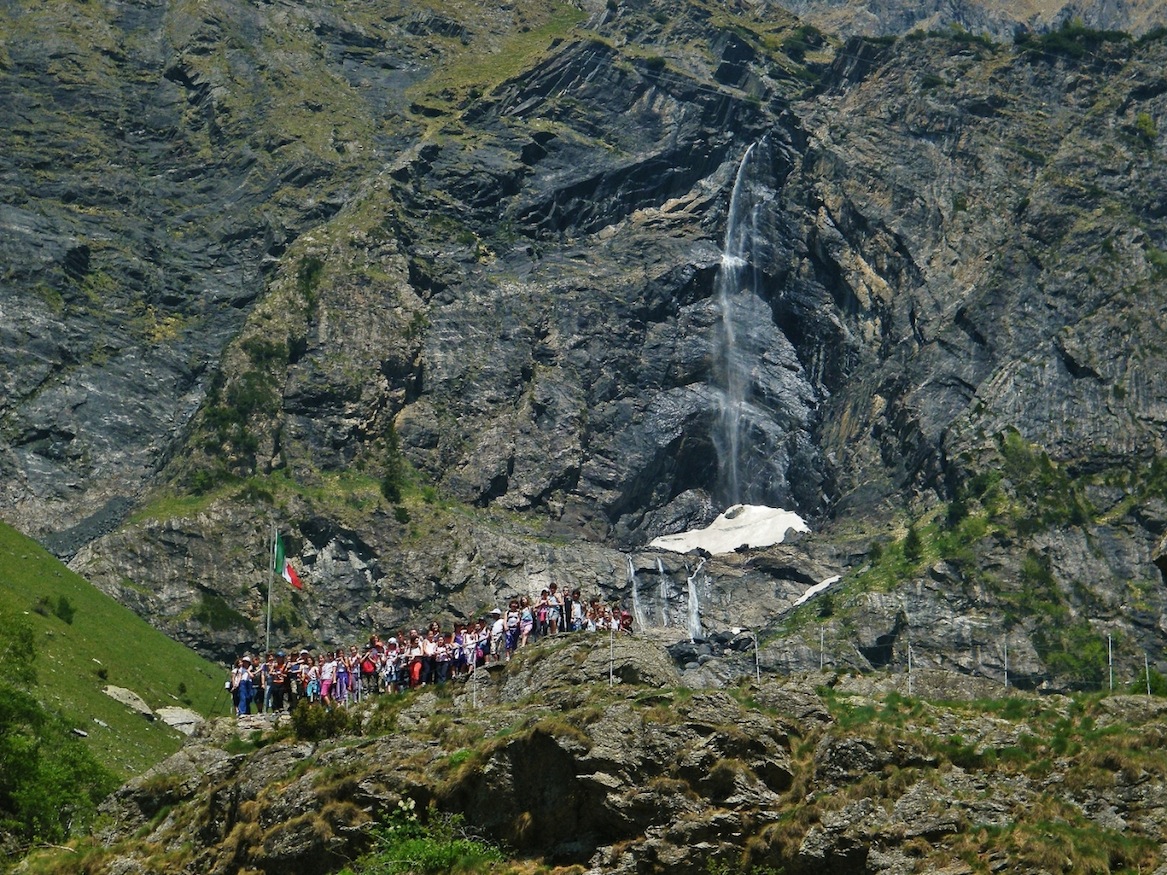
611	655
1006	663
1110	660
472	679
271	563
909	670
1147	667
757	661
822	647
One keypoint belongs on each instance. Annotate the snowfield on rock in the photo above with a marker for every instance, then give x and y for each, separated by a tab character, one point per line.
743	525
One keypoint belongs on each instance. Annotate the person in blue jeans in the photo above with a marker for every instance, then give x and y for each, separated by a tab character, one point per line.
242	686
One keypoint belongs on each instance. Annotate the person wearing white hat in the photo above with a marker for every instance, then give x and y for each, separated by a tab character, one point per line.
498	634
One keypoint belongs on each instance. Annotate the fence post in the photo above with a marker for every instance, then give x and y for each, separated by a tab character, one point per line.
1110	661
909	669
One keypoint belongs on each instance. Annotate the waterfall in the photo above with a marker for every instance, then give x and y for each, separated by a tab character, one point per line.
664	592
637	611
736	350
695	603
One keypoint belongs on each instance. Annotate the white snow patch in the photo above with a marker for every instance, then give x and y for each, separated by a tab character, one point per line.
743	525
816	589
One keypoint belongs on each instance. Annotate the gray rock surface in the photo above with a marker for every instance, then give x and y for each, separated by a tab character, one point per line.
619	778
184	720
244	287
130	699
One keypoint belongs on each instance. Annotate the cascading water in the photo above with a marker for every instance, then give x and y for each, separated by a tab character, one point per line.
664	592
742	468
637	611
695	603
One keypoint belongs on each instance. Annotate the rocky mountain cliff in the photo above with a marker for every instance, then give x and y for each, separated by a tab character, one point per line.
1003	21
443	294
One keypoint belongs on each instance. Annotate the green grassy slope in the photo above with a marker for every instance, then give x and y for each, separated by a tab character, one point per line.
104	644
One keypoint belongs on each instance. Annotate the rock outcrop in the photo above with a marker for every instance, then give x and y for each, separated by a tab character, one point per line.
547	756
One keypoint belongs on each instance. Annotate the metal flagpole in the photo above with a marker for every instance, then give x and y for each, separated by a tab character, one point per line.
271	563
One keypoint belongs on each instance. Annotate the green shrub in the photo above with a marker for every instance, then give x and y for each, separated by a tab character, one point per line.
1158	684
265	353
442	844
393	480
801	40
1072	40
43	606
311	721
64	610
1146	128
308	275
50	783
1157	258
913	545
214	613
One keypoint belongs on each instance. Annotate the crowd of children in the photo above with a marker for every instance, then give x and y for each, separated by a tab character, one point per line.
412	659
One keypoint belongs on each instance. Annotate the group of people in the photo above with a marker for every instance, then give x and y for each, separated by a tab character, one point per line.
412	659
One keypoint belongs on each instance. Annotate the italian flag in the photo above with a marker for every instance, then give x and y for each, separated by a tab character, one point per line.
284	567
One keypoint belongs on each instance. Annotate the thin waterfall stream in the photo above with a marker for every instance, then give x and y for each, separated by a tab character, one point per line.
737	349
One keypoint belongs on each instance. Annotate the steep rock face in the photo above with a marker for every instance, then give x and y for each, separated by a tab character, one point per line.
381	257
145	188
999	20
1001	212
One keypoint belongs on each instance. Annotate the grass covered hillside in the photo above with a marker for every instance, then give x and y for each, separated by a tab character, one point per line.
82	641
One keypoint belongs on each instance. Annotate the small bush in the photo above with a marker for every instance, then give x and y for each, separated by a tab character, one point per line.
64	610
311	721
1072	40
802	40
1158	684
393	480
1146	128
913	545
308	275
441	845
213	612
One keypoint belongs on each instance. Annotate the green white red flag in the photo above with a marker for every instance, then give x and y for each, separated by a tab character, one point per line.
284	567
